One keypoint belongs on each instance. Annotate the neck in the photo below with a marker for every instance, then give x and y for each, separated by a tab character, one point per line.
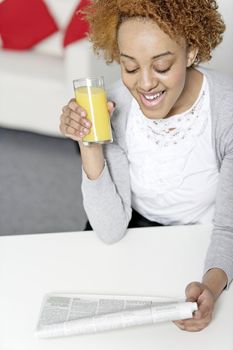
192	87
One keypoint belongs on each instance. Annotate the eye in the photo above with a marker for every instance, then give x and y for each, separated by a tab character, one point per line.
162	71
131	71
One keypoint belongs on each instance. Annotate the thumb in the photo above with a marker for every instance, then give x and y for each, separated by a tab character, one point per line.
111	107
193	291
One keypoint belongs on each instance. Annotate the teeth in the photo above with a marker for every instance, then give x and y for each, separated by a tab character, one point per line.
153	96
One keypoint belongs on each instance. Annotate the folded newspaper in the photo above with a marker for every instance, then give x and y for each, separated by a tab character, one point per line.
76	314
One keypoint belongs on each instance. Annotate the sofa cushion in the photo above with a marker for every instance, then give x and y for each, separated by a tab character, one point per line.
39	184
23	23
62	11
78	27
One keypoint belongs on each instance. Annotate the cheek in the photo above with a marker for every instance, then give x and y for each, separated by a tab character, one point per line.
179	76
176	81
127	80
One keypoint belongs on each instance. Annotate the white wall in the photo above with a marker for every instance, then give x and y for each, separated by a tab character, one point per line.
223	54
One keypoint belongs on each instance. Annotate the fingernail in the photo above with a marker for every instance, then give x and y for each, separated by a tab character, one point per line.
83	114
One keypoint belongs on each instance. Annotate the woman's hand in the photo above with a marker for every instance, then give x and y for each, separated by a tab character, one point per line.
200	293
205	294
73	121
75	125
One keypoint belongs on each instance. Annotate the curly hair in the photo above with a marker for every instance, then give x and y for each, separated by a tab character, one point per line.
198	21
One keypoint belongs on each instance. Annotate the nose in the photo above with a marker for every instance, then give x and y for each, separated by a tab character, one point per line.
147	81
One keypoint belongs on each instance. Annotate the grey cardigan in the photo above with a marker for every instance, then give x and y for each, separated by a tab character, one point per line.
107	200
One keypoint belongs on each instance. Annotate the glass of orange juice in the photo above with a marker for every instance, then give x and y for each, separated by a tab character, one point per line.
90	94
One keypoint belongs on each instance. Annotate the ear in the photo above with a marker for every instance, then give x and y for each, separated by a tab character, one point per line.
191	56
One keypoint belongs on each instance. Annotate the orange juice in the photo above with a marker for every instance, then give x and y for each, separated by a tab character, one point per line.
93	100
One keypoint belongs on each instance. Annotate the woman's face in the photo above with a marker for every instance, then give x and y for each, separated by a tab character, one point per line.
153	67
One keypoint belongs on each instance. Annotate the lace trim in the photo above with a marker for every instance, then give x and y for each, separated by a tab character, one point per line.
172	130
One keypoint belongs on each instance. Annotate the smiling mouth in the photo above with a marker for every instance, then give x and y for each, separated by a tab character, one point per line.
151	100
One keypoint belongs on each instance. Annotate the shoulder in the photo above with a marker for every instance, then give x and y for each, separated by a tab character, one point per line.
221	98
220	84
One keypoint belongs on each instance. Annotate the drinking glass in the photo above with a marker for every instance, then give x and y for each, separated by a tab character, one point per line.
90	94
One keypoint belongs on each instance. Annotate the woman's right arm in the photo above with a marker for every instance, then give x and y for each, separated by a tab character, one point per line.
75	125
105	184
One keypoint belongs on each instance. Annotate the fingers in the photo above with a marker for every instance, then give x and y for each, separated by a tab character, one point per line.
205	305
78	110
194	325
74	122
198	292
193	291
111	107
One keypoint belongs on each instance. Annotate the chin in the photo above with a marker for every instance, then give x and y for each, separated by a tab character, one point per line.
152	114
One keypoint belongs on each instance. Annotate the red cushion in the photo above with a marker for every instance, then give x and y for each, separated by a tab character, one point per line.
77	28
23	23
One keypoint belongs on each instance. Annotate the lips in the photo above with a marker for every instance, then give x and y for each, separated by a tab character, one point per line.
152	99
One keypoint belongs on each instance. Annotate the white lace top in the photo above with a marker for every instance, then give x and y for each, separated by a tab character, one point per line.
173	168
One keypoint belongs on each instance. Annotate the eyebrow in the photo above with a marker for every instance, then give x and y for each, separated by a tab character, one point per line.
167	53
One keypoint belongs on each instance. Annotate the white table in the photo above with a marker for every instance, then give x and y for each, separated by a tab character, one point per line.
156	261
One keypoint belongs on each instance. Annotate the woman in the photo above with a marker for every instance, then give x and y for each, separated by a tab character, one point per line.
171	161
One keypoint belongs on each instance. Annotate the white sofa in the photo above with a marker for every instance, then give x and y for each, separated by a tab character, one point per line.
35	84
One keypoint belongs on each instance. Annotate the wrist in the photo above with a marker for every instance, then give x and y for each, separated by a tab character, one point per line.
92	160
215	280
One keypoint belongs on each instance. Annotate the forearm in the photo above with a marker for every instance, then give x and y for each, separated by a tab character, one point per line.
92	160
107	200
216	280
104	207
